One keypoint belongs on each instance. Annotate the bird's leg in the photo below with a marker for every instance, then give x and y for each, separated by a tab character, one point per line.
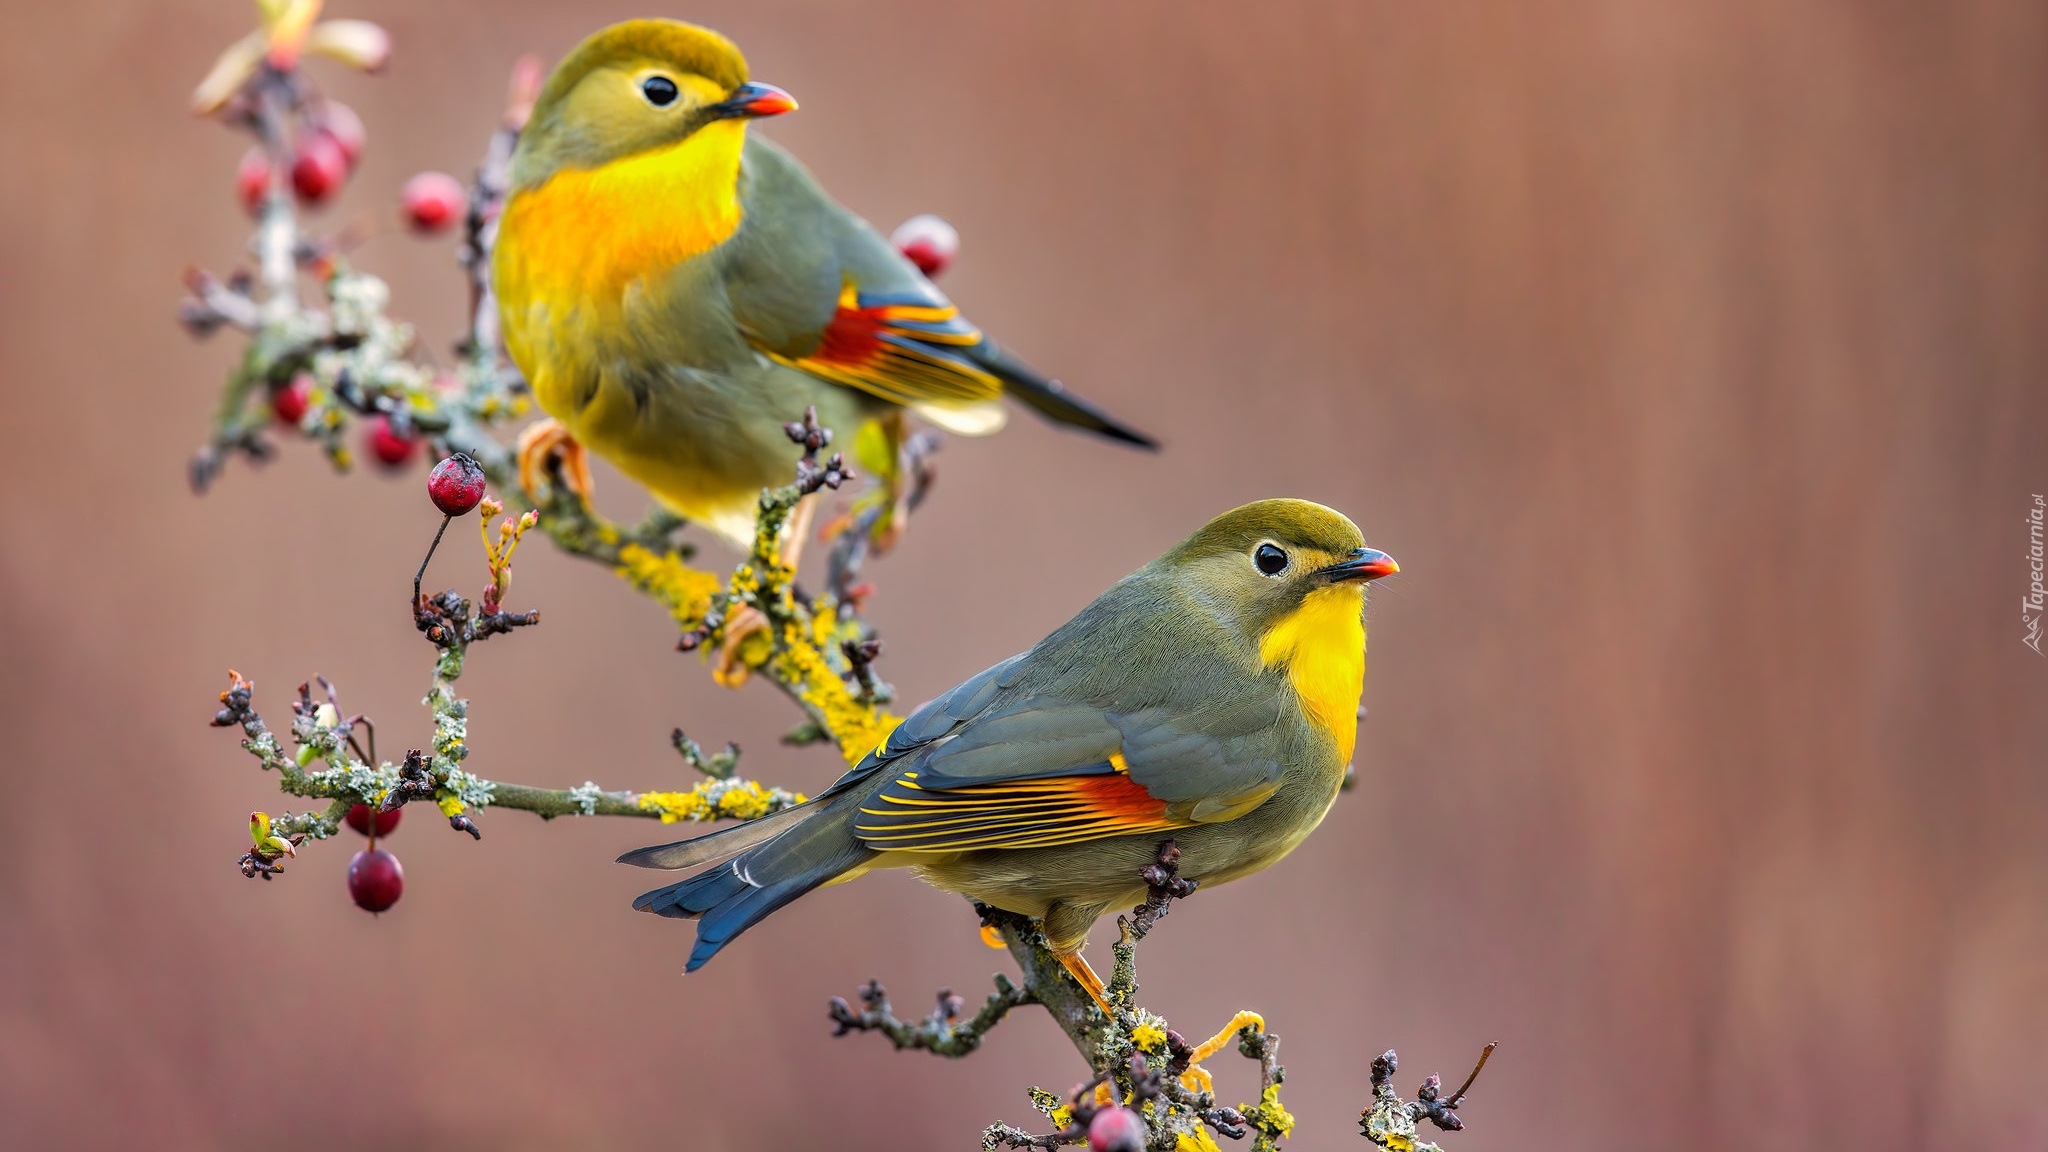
902	464
794	532
730	671
908	483
1077	967
747	620
546	438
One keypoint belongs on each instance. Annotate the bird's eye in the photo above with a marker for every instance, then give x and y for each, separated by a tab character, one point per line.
659	90
1270	559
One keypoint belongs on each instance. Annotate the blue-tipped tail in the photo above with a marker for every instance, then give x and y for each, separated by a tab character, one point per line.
734	896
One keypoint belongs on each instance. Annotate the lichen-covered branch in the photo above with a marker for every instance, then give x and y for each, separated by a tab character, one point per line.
324	357
1392	1123
1140	1064
938	1032
324	361
341	361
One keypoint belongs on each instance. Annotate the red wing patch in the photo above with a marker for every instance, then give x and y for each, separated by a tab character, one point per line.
906	351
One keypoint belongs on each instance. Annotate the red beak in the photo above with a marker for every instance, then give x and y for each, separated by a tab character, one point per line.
753	101
1362	565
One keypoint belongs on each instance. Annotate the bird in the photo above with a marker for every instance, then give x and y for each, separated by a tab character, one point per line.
1210	697
676	288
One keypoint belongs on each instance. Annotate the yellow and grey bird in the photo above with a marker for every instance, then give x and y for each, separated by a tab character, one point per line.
676	288
1211	697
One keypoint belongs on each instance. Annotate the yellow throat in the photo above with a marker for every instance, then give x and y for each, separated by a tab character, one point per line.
585	234
1322	644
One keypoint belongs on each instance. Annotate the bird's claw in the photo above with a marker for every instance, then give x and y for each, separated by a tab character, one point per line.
744	621
545	440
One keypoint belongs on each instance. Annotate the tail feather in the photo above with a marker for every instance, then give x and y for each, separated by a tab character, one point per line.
1052	399
714	846
732	897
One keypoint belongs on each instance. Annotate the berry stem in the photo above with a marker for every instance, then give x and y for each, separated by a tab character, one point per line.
1458	1097
425	560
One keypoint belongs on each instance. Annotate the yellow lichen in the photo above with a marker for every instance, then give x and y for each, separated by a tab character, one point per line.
1050	1104
857	727
1269	1115
1197	1140
450	805
718	800
681	589
1149	1037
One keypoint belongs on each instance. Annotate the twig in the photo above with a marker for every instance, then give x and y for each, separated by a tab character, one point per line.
936	1033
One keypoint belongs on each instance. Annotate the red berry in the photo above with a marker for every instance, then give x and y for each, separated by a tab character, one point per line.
339	122
1116	1130
387	445
360	817
318	168
928	242
432	201
252	179
456	485
375	879
290	402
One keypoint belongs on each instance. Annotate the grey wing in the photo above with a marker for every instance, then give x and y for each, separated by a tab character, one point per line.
1038	771
795	252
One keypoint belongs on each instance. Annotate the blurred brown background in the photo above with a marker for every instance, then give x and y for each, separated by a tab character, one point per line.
1689	357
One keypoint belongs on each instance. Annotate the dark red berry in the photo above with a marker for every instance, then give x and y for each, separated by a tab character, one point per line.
339	123
456	485
290	402
388	446
928	242
360	817
318	168
432	201
252	179
1116	1130
375	879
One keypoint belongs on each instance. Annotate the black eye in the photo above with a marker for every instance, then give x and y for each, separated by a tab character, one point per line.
1270	559
659	90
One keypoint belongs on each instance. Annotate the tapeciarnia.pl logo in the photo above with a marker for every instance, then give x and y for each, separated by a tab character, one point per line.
2036	603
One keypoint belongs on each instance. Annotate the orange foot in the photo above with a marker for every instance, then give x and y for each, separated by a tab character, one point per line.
542	440
730	672
1077	967
747	620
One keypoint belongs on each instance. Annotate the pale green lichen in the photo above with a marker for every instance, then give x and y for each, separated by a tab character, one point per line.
1054	1108
468	789
1390	1124
354	779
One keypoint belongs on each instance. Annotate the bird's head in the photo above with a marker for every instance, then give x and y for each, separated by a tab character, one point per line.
637	87
1262	565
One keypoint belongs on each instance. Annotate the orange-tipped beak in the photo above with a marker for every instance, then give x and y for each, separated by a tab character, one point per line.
753	101
1362	565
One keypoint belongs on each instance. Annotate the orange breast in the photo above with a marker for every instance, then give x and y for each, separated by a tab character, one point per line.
586	234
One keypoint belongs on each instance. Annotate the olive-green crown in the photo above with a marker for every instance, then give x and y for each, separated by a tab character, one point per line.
688	47
1299	522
